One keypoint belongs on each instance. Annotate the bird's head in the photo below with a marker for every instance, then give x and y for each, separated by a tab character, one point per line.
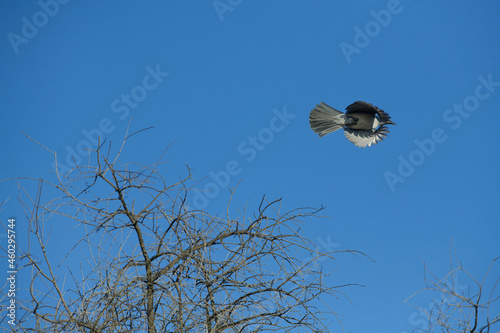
380	122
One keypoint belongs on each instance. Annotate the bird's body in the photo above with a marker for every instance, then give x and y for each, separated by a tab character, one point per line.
362	122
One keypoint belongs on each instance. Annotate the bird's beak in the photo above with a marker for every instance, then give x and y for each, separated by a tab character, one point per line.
390	122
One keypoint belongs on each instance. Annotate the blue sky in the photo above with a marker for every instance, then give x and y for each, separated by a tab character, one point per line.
232	85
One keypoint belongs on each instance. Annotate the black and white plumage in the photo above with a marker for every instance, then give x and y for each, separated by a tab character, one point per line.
363	123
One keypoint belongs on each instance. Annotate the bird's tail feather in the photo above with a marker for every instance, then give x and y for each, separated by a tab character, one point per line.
324	119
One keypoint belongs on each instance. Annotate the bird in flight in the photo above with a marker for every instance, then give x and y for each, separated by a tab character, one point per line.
363	122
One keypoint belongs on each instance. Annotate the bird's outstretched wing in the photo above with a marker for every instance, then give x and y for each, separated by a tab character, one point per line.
363	138
364	107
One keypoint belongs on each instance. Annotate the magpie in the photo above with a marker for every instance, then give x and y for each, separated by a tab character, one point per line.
363	123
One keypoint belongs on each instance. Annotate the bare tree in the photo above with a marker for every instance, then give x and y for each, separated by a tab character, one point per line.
462	303
146	260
